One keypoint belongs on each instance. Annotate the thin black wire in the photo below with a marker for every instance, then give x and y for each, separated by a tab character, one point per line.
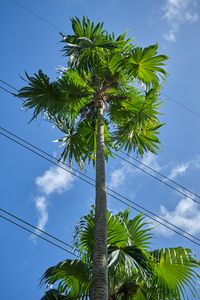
46	153
160	180
88	177
159	173
53	162
137	205
4	82
4	89
182	105
36	228
36	15
41	237
111	189
144	171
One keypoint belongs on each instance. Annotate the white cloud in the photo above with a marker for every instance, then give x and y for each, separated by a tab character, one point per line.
186	215
119	176
177	13
182	168
54	180
178	170
151	161
41	206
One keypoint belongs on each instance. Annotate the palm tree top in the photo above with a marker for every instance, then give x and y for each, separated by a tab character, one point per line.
102	70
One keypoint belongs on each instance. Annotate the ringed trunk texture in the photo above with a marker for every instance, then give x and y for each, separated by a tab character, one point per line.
99	286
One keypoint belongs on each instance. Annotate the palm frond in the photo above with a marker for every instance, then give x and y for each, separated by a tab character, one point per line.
53	294
136	121
73	277
175	272
41	95
146	65
88	45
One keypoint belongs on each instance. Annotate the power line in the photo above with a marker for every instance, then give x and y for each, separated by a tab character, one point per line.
182	105
159	173
36	228
160	180
141	169
4	89
111	189
88	177
135	204
46	153
34	233
37	15
42	156
9	85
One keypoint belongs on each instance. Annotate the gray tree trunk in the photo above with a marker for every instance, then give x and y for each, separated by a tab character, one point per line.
99	288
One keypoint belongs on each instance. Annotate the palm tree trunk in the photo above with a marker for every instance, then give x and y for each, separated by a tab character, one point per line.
99	287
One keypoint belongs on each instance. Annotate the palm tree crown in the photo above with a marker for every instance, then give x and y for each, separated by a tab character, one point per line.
101	69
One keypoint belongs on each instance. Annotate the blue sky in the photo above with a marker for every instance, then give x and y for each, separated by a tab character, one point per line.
51	198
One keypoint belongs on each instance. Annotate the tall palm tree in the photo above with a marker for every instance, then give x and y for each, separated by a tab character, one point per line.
97	103
135	272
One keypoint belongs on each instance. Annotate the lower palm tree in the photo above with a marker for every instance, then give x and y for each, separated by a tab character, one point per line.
134	271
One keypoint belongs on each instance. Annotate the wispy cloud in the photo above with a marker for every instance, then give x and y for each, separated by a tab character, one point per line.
176	13
183	168
151	161
178	170
186	215
119	176
41	206
54	180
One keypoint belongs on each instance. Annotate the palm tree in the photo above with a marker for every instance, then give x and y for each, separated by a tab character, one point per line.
135	272
97	104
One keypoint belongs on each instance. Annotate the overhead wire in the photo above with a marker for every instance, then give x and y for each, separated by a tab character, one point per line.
9	85
36	15
4	89
34	233
182	105
36	228
141	169
135	207
159	173
160	180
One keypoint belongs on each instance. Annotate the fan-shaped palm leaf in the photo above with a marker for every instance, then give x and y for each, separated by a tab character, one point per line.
88	44
175	272
146	65
135	119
